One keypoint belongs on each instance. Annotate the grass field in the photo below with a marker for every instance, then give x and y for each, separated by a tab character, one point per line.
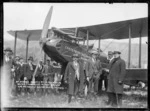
131	99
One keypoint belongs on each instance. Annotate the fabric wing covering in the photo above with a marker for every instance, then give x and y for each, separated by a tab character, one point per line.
114	30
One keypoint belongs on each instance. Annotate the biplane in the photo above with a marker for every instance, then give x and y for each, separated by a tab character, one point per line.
61	43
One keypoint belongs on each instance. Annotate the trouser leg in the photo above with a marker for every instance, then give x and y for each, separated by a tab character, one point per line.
69	98
76	87
90	88
100	85
106	83
114	99
120	99
96	82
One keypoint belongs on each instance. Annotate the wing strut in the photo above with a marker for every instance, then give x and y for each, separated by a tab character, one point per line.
15	43
129	53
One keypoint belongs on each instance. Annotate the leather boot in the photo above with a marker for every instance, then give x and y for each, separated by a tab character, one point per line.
109	98
120	99
114	100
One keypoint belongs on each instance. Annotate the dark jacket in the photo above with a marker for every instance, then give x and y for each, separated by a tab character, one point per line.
39	71
21	71
117	71
93	69
28	72
70	76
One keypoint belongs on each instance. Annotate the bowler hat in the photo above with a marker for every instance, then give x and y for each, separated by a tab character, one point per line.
75	55
110	53
17	58
117	52
30	58
8	49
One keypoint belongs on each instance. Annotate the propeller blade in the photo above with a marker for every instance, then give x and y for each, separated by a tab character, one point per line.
47	23
43	35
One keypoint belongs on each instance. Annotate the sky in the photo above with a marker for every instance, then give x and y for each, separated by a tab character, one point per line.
21	16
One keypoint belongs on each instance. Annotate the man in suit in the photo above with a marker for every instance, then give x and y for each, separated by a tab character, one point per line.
105	72
48	74
93	72
73	76
22	69
17	74
6	76
29	70
39	76
117	71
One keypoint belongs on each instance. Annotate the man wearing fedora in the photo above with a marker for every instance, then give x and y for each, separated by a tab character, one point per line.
117	71
29	70
93	70
73	76
6	75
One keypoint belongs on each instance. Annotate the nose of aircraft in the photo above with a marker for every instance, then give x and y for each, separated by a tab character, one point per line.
43	41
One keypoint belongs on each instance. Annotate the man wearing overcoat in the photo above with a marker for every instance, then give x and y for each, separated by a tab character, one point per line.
6	75
117	71
74	74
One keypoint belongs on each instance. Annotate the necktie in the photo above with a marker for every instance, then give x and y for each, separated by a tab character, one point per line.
7	59
76	70
31	66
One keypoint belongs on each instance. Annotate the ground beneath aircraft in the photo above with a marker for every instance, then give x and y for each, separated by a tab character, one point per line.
131	99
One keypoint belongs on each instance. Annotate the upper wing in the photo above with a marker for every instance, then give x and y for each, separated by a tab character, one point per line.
114	30
33	35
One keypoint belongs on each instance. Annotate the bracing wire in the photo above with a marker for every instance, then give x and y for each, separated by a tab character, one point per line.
108	45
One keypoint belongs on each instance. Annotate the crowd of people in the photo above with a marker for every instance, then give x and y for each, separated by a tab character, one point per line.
86	78
16	71
83	78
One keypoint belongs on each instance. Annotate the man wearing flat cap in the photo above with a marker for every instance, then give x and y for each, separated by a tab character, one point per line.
93	71
73	76
117	71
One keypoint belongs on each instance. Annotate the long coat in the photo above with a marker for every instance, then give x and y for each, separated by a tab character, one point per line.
117	71
6	83
70	77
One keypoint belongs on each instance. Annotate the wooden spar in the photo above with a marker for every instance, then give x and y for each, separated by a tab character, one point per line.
27	48
45	57
140	49
15	43
87	38
99	44
140	44
76	32
129	51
